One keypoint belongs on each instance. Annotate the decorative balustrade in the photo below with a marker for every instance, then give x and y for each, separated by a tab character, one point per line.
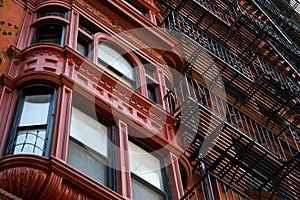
188	88
178	23
210	187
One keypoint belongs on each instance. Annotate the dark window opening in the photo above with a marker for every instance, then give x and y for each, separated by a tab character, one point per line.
86	27
83	46
153	92
49	33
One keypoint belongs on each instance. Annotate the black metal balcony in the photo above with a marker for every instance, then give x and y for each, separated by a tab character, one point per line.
176	22
264	22
244	153
273	9
210	187
221	13
189	89
279	77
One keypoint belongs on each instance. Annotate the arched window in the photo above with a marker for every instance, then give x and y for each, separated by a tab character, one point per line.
114	60
50	26
33	121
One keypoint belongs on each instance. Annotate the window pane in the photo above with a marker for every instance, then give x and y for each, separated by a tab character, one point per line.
114	59
30	142
87	163
141	191
145	165
52	12
35	110
49	33
83	46
152	93
89	131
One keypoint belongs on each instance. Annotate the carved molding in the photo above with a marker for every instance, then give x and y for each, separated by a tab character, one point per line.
23	182
33	177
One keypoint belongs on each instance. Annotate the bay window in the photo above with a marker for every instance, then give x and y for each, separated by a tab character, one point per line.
33	121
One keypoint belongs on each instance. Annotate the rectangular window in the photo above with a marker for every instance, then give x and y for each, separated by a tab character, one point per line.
152	83
89	150
35	113
136	8
153	92
83	46
146	174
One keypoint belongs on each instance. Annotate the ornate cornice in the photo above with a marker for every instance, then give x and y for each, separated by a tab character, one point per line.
118	29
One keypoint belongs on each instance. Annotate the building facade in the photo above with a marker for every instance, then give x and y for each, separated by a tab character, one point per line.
149	99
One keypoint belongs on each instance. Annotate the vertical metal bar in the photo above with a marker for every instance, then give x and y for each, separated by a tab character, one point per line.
253	129
218	189
288	144
211	194
276	139
283	153
195	192
258	133
182	92
203	190
223	109
295	141
217	105
225	191
271	143
247	126
264	137
211	99
232	194
241	120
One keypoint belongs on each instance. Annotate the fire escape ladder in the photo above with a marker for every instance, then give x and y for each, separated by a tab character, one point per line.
244	149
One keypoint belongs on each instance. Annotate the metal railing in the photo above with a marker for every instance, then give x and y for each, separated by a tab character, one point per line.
178	23
210	187
214	9
249	71
271	7
283	146
278	77
257	17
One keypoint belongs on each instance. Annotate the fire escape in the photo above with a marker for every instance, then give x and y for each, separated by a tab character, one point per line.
249	49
